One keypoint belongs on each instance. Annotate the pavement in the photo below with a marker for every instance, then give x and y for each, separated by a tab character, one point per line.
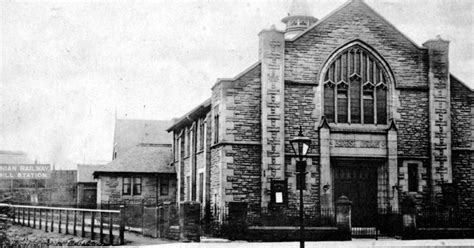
333	244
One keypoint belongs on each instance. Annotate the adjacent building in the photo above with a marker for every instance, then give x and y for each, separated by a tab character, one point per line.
141	169
385	116
86	185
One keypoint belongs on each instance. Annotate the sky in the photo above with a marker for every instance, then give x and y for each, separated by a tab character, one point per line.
69	68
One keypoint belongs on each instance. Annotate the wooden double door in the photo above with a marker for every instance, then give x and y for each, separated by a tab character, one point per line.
358	181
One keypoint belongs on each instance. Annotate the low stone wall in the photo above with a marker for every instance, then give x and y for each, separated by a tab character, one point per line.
277	234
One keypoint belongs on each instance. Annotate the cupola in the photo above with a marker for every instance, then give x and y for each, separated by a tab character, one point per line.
299	18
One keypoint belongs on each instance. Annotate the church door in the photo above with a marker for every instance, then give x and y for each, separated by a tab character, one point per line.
358	181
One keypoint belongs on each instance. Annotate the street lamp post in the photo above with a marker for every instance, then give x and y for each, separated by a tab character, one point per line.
300	145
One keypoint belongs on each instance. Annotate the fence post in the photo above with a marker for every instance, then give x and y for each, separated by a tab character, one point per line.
34	217
237	220
189	218
67	222
52	220
23	216
92	225
143	211
40	218
46	220
409	218
111	235
101	228
122	225
343	217
28	219
83	224
60	221
74	231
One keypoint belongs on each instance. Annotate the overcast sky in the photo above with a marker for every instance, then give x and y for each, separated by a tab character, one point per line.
67	66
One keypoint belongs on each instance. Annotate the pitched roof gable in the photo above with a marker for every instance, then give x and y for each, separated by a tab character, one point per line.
129	133
140	159
353	4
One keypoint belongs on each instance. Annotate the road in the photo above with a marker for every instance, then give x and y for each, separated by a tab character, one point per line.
354	243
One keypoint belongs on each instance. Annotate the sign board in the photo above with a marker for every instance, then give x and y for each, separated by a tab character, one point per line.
25	171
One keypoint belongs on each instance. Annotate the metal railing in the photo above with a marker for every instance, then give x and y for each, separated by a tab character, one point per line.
69	220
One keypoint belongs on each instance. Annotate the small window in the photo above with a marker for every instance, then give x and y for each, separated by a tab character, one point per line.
188	188
164	186
137	185
413	177
201	187
188	144
201	135
126	187
216	124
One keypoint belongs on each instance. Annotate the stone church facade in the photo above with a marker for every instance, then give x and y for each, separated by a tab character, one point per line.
386	119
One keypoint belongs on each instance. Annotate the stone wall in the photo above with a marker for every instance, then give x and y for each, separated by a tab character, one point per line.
299	111
244	106
461	105
311	194
306	55
463	179
215	176
413	125
243	178
111	190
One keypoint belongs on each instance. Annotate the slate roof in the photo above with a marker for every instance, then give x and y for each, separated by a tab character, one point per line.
130	133
188	118
140	159
85	171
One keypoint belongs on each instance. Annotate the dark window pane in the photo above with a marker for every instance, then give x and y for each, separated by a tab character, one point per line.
164	186
355	101
368	107
201	187
342	106
329	103
413	177
126	187
381	105
137	185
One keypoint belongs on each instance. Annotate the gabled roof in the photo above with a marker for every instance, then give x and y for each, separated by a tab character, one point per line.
140	159
189	117
85	171
349	4
130	133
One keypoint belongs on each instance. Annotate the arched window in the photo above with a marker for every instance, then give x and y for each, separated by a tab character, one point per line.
355	88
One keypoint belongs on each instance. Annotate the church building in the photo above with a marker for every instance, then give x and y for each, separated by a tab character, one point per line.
386	118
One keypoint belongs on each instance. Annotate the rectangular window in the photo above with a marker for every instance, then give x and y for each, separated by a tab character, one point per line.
381	105
342	105
188	144
164	186
368	107
329	103
201	187
201	135
137	185
216	125
413	177
355	101
126	186
188	188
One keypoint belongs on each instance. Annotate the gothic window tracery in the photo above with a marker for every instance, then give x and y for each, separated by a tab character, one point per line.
355	88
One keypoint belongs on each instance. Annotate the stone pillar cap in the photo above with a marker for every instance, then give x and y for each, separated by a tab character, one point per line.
343	200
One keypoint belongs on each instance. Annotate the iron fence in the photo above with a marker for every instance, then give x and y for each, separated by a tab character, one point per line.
384	223
105	225
437	217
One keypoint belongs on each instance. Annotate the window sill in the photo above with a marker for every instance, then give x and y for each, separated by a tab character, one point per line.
358	128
